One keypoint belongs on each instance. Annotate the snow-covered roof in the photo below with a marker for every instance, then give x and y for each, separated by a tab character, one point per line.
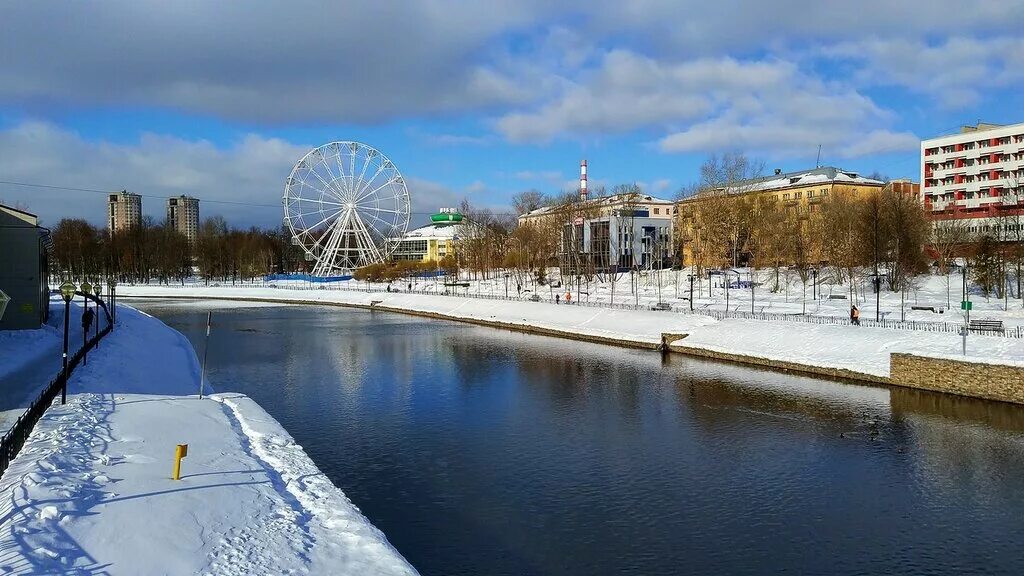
439	230
814	176
606	201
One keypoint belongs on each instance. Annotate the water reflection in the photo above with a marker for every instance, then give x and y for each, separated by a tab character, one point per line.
481	451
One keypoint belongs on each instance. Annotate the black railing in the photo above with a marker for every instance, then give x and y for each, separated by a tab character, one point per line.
15	438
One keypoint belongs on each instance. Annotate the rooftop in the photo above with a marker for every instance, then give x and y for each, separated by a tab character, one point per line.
820	175
606	201
443	230
27	217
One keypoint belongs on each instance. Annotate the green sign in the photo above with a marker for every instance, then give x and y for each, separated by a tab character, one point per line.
966	305
27	307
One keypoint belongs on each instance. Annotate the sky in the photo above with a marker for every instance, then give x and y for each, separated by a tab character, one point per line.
479	100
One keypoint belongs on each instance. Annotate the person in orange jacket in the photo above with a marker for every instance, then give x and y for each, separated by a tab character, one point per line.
568	297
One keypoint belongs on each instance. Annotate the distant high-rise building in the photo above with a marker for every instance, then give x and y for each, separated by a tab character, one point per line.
183	216
124	211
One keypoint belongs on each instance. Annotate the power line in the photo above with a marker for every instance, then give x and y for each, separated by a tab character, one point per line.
94	190
155	196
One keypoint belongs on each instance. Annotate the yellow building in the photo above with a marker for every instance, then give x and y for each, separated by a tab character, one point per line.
431	242
804	191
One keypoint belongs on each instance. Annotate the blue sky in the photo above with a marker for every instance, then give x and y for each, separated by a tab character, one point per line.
218	100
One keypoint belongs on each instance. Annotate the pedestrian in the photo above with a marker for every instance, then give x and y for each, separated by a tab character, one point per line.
558	298
519	288
568	297
855	315
87	319
410	286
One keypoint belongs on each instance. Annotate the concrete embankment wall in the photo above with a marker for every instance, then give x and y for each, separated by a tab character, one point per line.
781	365
963	377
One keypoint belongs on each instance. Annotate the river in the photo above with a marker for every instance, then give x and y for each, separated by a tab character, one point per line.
484	451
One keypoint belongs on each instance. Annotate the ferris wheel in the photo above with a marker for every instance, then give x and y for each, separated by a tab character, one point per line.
346	205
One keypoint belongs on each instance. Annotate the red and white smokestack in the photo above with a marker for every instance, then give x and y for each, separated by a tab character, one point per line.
583	179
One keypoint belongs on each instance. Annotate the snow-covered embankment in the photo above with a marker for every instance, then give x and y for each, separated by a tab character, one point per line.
91	490
856	350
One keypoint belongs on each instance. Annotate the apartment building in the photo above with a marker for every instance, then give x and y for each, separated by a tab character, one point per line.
976	175
802	192
124	211
183	216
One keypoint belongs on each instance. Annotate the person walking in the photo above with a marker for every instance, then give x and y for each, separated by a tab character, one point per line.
855	316
558	298
568	297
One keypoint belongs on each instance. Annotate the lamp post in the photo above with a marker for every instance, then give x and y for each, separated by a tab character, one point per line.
814	283
86	288
751	290
112	282
67	292
506	285
97	289
691	277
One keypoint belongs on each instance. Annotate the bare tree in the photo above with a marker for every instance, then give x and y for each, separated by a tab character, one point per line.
948	238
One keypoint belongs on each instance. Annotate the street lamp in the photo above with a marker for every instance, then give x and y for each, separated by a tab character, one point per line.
691	278
112	282
97	289
86	288
814	283
67	292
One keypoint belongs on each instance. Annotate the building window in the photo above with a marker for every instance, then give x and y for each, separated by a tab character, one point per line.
797	195
657	210
785	196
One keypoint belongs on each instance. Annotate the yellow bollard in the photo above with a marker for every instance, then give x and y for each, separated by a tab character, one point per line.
180	452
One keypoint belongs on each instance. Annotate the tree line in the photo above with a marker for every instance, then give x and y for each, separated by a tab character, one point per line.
153	251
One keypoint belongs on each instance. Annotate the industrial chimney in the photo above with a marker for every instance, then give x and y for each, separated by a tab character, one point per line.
583	179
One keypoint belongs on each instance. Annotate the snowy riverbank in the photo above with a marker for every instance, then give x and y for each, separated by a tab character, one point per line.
91	490
857	349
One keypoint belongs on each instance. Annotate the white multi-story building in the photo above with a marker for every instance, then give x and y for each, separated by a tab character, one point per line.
611	233
976	175
183	216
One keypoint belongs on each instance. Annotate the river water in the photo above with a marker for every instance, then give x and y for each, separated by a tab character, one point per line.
483	451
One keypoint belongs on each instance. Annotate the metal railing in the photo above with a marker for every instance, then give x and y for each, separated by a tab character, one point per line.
18	434
460	292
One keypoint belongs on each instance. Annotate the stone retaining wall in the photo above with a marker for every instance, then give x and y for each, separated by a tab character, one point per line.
780	365
963	377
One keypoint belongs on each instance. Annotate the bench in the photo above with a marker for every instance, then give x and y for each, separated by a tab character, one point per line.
535	298
928	308
986	325
661	306
837	296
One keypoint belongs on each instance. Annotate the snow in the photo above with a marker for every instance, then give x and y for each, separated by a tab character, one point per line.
91	490
440	230
858	348
29	359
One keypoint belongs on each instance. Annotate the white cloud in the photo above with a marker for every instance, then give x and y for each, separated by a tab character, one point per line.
458	140
550	176
955	72
715	104
247	175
